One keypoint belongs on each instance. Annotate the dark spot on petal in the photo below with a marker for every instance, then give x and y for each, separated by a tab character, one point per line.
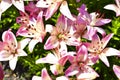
46	3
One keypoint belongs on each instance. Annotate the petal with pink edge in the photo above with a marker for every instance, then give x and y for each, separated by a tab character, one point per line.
106	39
50	58
104	59
51	10
116	70
88	74
72	70
65	10
111	52
82	54
114	8
10	38
52	42
45	75
102	22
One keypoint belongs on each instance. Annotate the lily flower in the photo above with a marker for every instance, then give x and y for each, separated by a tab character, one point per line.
35	30
97	48
92	21
58	60
5	4
62	32
11	49
113	7
53	5
79	66
116	70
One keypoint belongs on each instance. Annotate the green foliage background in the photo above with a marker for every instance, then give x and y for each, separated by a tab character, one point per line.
26	66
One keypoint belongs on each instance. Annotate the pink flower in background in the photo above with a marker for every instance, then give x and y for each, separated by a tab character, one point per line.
79	66
11	49
35	30
1	73
5	4
113	7
53	5
116	70
97	48
62	32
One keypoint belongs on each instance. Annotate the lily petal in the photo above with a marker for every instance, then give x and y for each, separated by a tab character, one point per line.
72	70
90	74
19	5
116	70
82	54
54	70
62	78
32	44
36	78
104	59
5	56
45	75
21	52
102	22
50	58
51	43
106	39
114	8
111	52
10	38
65	10
51	10
101	31
4	5
48	28
13	63
42	4
22	44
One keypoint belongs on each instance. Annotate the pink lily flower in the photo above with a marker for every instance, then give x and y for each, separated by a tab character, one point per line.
63	32
11	49
116	70
5	4
44	75
53	5
79	66
58	60
1	73
113	7
92	20
97	48
35	30
32	10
